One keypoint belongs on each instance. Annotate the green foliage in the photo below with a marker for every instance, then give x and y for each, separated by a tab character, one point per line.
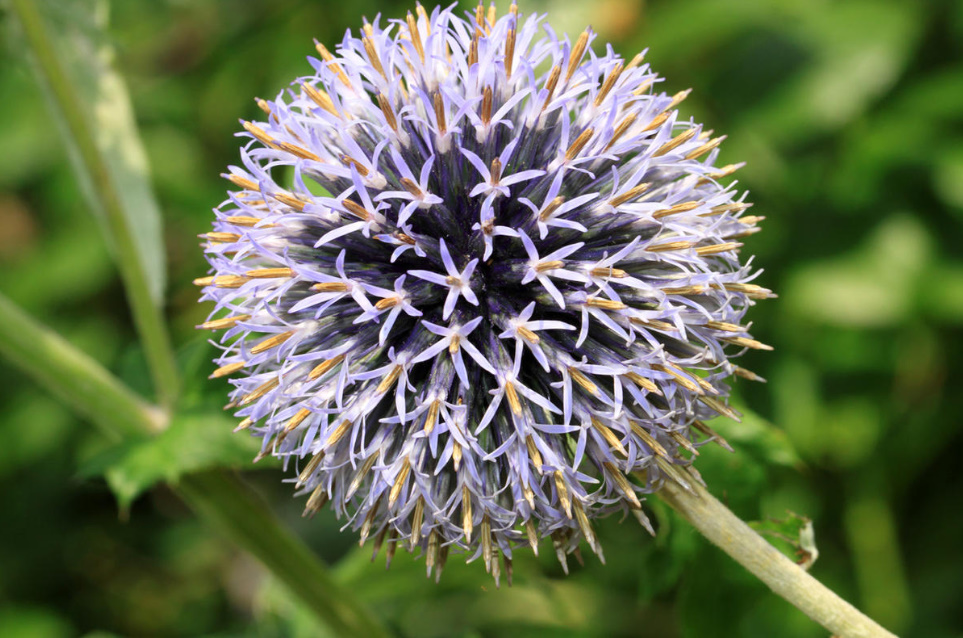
194	441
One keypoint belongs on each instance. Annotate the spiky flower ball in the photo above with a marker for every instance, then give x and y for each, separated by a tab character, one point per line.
479	283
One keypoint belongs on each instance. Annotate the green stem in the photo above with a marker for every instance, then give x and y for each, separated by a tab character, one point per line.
718	524
229	506
78	380
147	316
220	499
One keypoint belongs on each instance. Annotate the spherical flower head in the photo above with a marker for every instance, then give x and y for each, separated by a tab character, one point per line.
479	284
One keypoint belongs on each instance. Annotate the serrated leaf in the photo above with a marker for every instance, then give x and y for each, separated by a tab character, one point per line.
194	441
793	535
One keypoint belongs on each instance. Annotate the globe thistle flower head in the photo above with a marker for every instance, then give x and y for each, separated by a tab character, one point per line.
479	284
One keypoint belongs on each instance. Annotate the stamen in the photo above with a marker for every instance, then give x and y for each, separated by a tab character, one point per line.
648	439
621	482
629	195
684	443
545	266
399	482
684	207
682	379
550	84
373	58
388	302
272	341
222	238
334	66
563	496
358	166
316	501
528	335
677	99
321	99
610	81
389	380
578	144
750	290
388	112
643	382
675	142
309	469
242	182
466	521
432	417
486	109
368	522
411	187
705	148
331	286
721	408
416	519
712	434
225	322
533	453
510	50
439	104
583	381
605	304
620	130
229	369
670	246
656	122
551	207
718	248
609	273
513	401
260	391
270	273
576	56
297	420
734	207
745	342
356	209
532	534
359	477
245	221
610	437
496	171
486	543
415	36
338	434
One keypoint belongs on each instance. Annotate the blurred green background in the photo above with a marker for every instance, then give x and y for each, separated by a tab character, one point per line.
850	115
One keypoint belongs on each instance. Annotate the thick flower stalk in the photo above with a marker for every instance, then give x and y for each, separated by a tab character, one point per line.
479	284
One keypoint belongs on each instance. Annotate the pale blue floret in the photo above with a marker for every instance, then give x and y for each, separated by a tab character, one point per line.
462	301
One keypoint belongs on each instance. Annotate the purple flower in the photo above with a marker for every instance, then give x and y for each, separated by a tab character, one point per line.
472	302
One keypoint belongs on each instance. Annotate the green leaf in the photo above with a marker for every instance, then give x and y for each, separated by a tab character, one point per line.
873	286
194	441
33	622
793	536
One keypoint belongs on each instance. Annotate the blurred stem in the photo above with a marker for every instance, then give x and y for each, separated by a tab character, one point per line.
234	509
218	498
77	379
147	316
718	524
